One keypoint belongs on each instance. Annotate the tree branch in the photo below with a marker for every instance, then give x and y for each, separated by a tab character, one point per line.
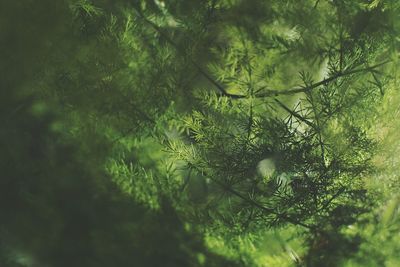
294	114
267	93
259	206
255	203
197	66
296	90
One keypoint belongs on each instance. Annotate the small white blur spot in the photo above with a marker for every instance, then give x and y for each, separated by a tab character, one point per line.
266	167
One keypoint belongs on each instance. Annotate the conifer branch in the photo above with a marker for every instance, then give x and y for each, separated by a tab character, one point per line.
261	207
197	66
266	93
336	195
309	88
318	129
296	90
253	202
294	114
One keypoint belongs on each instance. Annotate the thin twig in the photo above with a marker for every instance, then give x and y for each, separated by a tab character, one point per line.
294	114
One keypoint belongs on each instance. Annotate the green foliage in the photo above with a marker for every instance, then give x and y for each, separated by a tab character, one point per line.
256	130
